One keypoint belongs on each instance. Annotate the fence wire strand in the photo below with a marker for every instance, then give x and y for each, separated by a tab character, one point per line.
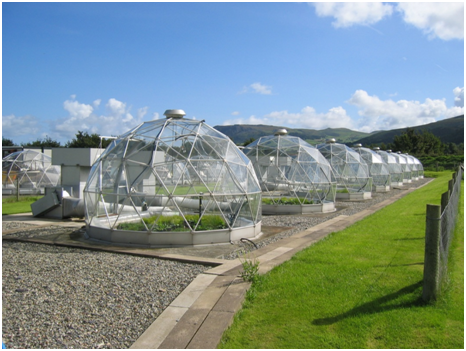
448	221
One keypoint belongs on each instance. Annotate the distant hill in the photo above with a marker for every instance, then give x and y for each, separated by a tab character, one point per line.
450	130
240	133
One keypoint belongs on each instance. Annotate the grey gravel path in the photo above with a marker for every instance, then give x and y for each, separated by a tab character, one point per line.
58	297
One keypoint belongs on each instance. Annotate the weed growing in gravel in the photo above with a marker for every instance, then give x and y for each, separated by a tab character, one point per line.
250	265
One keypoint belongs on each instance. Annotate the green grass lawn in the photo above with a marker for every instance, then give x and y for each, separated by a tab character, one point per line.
359	288
11	206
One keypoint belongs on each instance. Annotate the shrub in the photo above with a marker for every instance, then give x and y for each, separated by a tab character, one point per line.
176	223
286	201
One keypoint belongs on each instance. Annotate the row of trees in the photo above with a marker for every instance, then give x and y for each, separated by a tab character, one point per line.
81	140
421	144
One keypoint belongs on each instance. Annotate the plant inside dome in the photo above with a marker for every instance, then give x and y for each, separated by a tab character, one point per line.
287	201
176	223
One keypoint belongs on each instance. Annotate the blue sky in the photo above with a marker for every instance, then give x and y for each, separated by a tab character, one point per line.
107	67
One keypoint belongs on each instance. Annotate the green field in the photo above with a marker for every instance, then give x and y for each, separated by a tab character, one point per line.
359	288
11	206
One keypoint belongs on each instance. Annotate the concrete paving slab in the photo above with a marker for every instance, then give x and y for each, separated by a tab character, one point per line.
223	269
210	334
193	290
183	332
233	297
213	292
159	330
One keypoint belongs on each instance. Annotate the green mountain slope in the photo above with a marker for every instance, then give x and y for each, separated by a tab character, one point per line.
240	133
449	130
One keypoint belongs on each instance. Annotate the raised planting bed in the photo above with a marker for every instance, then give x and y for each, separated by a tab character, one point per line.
287	205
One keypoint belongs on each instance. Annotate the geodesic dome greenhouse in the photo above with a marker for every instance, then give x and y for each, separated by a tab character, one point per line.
396	172
420	168
291	172
413	166
378	168
404	166
174	182
350	170
33	170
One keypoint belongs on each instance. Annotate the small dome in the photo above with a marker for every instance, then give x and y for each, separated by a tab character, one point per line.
288	166
350	170
396	172
378	168
33	169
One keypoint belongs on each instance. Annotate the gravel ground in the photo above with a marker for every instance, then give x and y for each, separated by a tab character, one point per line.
58	297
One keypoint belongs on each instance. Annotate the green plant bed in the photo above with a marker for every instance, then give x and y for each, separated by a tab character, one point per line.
176	223
343	191
287	201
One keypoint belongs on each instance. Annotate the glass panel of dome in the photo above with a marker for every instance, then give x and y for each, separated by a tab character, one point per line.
227	184
252	184
187	161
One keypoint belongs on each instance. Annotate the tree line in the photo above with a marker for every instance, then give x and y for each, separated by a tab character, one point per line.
81	140
421	144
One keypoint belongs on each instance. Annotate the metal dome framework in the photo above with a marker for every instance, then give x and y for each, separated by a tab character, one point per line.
413	166
292	169
32	169
169	169
402	161
420	168
378	168
396	172
350	170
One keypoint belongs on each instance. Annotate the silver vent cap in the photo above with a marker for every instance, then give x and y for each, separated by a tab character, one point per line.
281	132
174	113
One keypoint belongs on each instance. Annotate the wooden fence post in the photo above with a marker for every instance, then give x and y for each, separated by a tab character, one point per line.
444	200
432	254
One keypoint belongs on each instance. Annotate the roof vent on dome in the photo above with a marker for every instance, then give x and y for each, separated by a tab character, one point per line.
376	148
281	132
389	150
357	145
331	141
174	113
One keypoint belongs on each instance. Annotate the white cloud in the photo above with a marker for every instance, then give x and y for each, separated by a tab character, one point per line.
77	110
307	118
459	96
14	126
82	117
377	114
347	14
235	113
142	112
96	103
257	88
261	89
444	20
115	107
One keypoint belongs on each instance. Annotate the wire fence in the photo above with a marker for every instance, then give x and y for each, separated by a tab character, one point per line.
440	225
